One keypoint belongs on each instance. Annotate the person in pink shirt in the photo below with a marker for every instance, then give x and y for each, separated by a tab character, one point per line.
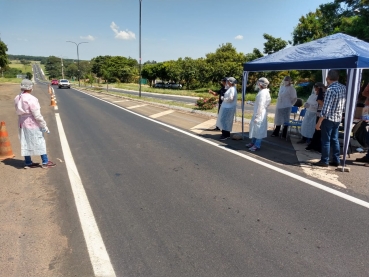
32	127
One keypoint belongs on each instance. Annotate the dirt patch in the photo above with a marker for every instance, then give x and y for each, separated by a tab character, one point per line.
31	243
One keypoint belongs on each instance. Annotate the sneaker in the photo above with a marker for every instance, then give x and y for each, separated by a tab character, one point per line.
32	165
321	164
363	160
309	148
215	129
254	148
48	165
224	138
334	164
273	135
249	145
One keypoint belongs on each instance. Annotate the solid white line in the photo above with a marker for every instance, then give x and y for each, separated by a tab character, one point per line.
96	249
203	126
137	106
161	114
272	167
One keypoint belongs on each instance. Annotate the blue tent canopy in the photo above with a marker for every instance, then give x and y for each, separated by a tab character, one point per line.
338	51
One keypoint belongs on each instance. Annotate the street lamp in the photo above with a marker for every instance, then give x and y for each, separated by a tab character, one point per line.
79	82
139	92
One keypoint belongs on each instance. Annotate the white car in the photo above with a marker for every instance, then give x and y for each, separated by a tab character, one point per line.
64	83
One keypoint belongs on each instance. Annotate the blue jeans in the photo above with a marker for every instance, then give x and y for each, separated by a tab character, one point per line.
28	160
256	142
329	130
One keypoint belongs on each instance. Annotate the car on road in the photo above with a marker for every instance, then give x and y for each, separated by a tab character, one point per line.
64	83
159	85
53	82
175	86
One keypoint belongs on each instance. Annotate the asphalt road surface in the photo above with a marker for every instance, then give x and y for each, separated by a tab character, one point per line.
168	204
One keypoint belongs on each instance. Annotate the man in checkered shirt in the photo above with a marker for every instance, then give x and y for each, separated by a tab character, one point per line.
330	119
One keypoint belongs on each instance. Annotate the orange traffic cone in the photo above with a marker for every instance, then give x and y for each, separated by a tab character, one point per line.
5	147
53	102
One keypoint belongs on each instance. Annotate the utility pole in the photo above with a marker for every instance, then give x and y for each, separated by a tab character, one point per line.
139	92
61	59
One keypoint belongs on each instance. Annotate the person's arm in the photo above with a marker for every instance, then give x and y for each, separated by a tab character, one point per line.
261	106
213	92
293	96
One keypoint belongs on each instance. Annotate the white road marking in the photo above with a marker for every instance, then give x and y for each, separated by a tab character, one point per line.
137	106
96	249
161	114
120	101
246	157
203	126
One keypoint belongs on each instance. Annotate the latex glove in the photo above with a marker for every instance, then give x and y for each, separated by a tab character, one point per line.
45	130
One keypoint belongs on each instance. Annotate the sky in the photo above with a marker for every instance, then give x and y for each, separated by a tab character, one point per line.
170	29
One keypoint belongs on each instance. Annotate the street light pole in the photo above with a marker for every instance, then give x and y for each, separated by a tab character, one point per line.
79	82
139	92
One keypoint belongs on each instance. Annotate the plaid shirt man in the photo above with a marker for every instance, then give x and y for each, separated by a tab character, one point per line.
334	102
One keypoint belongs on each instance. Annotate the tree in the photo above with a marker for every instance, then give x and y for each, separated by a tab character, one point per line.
273	44
323	22
53	67
3	56
149	72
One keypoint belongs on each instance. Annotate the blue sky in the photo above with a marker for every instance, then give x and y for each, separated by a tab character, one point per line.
170	28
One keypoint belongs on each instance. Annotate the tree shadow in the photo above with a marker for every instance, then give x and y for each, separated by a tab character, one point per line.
19	164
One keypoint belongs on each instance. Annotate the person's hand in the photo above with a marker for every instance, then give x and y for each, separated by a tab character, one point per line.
317	126
45	130
211	92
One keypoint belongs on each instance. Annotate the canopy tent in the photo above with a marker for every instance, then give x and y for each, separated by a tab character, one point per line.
338	51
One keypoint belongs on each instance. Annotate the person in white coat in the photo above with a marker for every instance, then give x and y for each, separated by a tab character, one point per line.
287	97
228	109
309	121
259	121
31	126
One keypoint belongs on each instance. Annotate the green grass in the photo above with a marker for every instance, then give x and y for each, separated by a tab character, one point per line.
10	80
18	65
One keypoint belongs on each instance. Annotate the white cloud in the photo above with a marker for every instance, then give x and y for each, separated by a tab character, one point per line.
89	37
126	35
239	37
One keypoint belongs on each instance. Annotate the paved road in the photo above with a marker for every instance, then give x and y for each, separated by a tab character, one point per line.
168	204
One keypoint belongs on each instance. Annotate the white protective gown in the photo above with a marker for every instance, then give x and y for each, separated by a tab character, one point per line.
227	110
30	122
309	121
286	99
259	120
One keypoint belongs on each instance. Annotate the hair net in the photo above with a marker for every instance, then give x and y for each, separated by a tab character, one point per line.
26	84
232	80
263	82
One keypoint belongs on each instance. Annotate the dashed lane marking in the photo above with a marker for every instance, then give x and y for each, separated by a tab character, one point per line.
203	126
161	114
137	106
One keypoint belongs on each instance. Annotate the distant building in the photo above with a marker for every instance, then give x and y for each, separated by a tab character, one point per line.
21	76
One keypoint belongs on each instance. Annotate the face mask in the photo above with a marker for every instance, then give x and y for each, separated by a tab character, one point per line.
226	86
257	88
286	83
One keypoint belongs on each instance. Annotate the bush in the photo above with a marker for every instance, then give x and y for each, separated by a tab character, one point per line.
206	103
